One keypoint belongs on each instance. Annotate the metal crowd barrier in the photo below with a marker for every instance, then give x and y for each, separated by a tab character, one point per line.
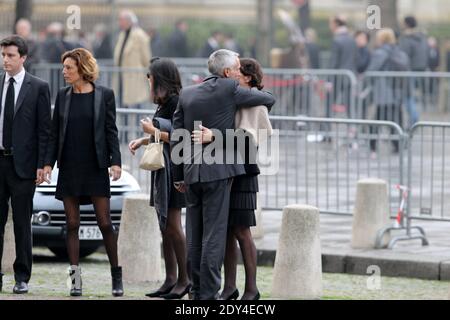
428	182
427	91
427	185
315	93
321	161
322	156
320	93
108	77
127	132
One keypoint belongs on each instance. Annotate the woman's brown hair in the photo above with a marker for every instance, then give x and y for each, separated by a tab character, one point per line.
85	61
252	68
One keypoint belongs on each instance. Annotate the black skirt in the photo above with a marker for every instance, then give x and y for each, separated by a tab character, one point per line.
243	201
83	182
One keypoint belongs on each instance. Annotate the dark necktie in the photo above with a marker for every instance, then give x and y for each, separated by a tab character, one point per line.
8	115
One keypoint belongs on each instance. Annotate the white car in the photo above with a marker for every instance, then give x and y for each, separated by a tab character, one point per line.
49	220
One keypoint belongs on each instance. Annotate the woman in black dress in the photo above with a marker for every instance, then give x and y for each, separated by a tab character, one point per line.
165	84
84	141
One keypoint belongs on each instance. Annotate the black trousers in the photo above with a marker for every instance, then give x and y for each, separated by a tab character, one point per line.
20	192
389	112
206	229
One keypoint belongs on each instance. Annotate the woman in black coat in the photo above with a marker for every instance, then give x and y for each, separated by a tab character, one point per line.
165	83
85	143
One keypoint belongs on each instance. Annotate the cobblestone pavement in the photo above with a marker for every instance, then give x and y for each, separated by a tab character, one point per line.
48	282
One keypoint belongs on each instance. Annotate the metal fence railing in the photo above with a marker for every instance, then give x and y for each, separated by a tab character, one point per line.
427	184
321	160
314	93
319	93
418	92
429	151
323	156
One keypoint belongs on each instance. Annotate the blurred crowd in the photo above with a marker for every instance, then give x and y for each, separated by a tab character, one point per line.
54	40
349	49
359	51
354	50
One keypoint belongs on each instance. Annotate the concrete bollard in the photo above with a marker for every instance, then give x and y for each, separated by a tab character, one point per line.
9	245
298	261
258	230
139	243
371	212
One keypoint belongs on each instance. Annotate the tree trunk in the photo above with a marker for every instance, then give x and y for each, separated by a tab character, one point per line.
304	15
264	31
24	9
388	13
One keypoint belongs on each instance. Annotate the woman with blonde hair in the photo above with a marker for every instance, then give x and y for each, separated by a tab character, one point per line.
388	91
85	143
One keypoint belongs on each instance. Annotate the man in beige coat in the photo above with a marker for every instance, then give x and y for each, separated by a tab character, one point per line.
132	51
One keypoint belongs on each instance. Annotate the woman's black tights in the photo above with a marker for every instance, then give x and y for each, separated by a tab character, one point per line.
101	207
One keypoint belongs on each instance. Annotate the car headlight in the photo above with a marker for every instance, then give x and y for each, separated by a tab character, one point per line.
41	218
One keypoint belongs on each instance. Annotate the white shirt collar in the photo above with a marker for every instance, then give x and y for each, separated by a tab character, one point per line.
18	78
213	42
341	30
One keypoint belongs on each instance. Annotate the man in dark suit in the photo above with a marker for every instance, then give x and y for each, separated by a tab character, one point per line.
24	133
177	45
23	29
207	185
213	43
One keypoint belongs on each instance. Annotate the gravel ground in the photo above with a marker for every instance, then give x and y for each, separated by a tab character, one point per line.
48	282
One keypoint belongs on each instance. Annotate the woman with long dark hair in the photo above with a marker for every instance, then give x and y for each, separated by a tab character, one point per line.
165	86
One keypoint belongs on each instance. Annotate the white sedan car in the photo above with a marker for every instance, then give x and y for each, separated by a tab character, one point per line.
49	220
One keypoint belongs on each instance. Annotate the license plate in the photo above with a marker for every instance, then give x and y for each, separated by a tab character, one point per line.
90	233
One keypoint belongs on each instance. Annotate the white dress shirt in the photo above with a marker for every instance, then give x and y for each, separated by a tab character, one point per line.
18	78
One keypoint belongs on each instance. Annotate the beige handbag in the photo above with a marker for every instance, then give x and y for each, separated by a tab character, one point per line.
153	157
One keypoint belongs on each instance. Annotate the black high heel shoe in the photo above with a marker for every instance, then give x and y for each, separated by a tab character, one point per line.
172	296
232	296
158	293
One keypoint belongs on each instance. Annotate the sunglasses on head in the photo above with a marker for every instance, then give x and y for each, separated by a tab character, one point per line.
151	61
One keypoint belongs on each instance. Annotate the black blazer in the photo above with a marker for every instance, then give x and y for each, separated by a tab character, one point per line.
31	126
105	129
213	102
